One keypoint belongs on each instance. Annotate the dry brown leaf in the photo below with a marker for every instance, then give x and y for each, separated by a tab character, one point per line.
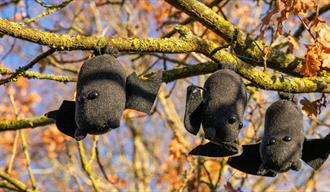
229	187
313	107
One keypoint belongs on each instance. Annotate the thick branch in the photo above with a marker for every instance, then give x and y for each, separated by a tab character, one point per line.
246	48
186	43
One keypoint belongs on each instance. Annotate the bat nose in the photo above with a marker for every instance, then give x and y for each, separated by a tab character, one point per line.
210	133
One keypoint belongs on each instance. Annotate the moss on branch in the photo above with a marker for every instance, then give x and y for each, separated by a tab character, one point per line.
14	182
245	47
25	123
36	75
186	43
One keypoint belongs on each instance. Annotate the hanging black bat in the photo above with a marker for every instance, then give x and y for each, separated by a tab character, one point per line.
283	144
219	108
103	92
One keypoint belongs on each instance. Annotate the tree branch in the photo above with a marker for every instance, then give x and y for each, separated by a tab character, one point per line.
25	123
18	184
246	49
186	43
36	75
20	70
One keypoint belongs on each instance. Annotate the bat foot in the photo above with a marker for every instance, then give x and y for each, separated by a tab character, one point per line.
262	170
80	134
296	166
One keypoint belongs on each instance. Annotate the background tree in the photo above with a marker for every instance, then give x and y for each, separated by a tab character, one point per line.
280	45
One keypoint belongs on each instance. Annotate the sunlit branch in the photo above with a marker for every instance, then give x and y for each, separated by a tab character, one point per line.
87	166
18	184
50	10
23	123
186	43
20	70
36	75
244	46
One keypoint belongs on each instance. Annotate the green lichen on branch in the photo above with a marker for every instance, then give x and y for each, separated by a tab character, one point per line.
18	184
25	123
187	43
50	10
52	40
244	46
36	75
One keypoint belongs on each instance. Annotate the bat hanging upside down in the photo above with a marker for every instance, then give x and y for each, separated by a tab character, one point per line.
219	108
103	92
283	144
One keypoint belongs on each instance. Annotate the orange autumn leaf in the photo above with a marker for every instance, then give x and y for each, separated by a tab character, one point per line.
146	6
22	83
313	107
131	113
176	149
229	187
312	61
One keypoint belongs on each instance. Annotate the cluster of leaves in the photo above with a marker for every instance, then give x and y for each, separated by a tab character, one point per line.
317	55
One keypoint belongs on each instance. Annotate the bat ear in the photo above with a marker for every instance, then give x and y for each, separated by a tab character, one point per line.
212	150
194	105
316	151
65	118
141	94
249	161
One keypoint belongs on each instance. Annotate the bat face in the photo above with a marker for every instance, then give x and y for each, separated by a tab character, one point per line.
224	104
103	92
282	144
100	98
219	107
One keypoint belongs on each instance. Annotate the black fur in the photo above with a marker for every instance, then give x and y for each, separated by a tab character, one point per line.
249	161
283	144
103	92
65	118
283	119
219	108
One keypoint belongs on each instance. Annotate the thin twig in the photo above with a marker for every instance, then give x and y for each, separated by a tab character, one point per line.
20	70
13	154
18	184
5	184
24	145
50	10
87	166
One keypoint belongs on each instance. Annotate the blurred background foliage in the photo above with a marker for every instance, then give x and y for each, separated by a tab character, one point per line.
149	153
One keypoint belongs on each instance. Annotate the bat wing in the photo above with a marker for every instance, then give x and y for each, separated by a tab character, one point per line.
249	161
65	118
212	150
316	151
194	103
141	94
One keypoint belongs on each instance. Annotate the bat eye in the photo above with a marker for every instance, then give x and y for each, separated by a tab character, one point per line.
287	138
240	125
232	120
92	95
271	141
